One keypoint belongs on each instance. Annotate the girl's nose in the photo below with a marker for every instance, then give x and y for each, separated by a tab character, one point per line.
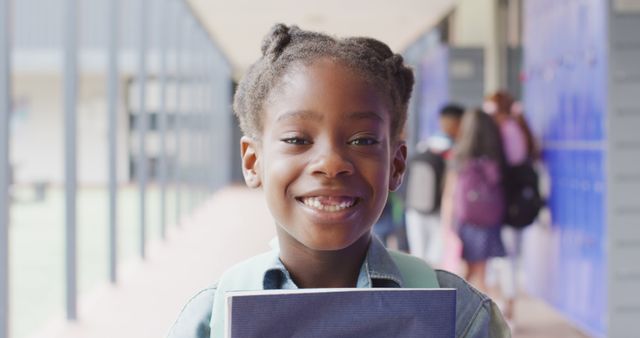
331	162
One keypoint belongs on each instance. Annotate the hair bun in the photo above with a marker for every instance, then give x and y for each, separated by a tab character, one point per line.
403	75
277	39
395	63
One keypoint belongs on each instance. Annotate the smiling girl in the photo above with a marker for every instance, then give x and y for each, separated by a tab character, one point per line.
322	120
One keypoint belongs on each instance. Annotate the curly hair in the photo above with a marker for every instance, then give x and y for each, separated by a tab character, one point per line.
286	46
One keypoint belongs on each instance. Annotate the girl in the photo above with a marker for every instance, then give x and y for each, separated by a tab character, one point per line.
322	119
474	198
520	148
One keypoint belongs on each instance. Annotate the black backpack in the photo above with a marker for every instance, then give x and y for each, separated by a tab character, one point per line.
522	195
425	182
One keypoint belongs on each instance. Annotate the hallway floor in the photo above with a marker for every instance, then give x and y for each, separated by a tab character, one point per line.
231	226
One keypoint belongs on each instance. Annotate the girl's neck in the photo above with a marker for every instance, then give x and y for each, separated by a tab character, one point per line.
324	269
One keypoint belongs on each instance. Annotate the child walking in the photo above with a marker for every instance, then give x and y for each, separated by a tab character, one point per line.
521	152
322	120
474	200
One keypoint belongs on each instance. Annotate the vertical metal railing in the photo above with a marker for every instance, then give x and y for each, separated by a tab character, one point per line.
162	116
187	72
179	110
112	111
142	122
191	110
213	98
70	144
206	116
208	164
202	110
5	115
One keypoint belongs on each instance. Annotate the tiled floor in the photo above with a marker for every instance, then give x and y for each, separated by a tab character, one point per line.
535	319
233	225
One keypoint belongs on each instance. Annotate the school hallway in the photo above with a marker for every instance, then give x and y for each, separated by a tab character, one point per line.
232	225
122	186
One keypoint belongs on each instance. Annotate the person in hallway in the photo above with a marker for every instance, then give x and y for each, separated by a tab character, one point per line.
391	226
425	182
473	201
322	119
521	152
517	140
450	120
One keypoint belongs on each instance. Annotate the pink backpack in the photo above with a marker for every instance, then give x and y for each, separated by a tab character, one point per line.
479	195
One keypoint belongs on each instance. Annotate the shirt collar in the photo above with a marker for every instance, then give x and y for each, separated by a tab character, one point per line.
378	270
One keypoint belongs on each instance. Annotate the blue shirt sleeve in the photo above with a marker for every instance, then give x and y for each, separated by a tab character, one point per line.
477	316
194	319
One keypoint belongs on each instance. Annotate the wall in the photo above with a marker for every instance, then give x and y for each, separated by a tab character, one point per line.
474	24
448	75
414	55
434	89
565	99
623	169
466	76
582	79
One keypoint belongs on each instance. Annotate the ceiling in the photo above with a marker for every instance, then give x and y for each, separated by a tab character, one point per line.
239	25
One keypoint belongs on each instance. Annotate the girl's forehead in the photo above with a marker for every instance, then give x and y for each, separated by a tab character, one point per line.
327	66
325	87
322	76
323	90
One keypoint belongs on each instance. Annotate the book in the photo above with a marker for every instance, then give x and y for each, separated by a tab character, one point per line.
351	312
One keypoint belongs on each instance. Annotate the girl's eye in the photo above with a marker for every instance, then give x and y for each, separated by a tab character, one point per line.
364	141
298	141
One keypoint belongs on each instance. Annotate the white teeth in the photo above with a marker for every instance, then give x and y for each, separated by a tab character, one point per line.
315	203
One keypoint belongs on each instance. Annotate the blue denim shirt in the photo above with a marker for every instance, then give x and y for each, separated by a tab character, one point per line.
476	315
378	270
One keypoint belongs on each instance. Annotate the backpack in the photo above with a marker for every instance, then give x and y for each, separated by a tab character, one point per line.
425	182
523	195
521	179
479	195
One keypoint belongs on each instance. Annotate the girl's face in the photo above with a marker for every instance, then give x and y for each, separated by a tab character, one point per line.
326	160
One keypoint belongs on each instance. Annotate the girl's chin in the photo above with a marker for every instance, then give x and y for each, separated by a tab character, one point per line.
334	244
322	239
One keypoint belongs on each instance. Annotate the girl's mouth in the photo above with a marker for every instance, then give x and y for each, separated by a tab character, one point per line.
329	203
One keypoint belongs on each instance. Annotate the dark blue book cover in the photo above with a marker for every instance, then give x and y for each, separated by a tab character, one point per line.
326	313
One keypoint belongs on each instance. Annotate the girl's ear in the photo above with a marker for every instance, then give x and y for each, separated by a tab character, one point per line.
250	162
398	165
